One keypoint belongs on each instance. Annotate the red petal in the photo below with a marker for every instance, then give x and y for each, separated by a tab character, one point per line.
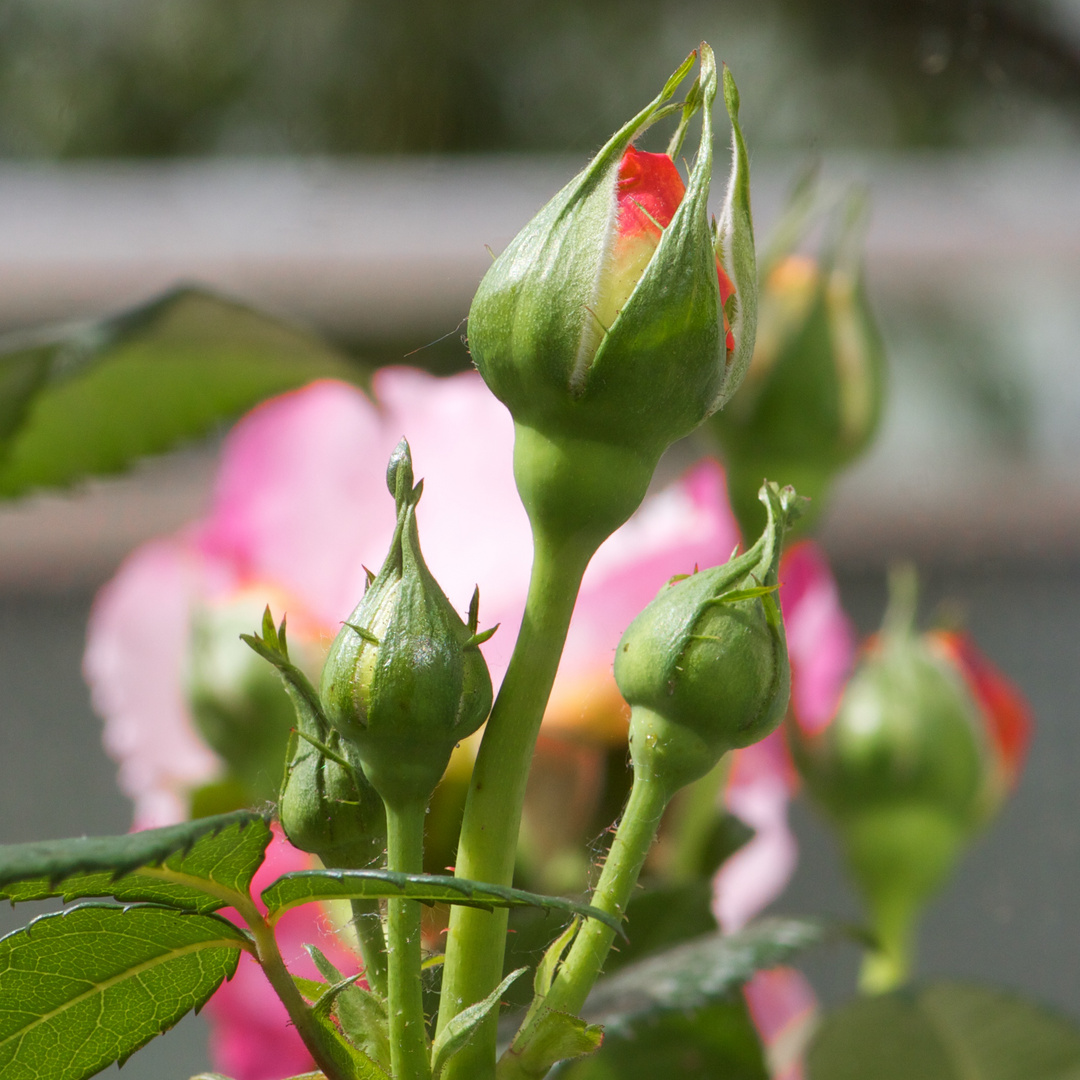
1007	715
649	191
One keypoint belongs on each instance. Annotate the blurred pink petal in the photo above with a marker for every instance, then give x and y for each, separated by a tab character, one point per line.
757	792
821	646
251	1037
821	640
136	644
784	1009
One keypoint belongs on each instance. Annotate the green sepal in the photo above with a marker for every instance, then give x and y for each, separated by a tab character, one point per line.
735	248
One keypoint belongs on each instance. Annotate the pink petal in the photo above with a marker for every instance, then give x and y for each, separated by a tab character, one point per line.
821	641
783	1007
757	792
134	663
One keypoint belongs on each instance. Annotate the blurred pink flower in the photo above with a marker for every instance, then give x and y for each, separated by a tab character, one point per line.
299	509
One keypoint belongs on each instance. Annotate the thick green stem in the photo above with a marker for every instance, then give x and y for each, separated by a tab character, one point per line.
405	1005
476	939
633	838
369	932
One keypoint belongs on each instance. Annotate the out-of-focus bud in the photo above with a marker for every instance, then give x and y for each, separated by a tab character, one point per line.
326	805
238	704
704	667
926	740
617	320
405	680
811	401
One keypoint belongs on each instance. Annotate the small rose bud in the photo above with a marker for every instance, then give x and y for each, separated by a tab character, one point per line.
326	805
617	320
704	667
405	680
926	740
811	400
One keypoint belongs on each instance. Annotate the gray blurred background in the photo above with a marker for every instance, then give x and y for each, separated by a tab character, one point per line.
344	162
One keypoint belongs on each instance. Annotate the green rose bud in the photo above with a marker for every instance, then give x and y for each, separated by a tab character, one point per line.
617	319
326	805
811	400
705	666
925	740
405	680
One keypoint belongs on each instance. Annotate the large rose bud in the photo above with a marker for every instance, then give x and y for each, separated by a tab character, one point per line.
705	667
812	398
405	680
618	318
927	739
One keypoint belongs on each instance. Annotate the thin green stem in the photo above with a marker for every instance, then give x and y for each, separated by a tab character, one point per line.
405	1005
622	867
369	933
277	974
695	811
476	939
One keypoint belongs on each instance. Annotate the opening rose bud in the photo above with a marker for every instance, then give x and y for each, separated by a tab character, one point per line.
618	319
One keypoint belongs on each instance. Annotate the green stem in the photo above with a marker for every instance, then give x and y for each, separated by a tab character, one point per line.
369	933
476	939
408	1037
277	974
633	838
696	810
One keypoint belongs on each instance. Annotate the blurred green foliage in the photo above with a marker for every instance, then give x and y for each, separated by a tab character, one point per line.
83	78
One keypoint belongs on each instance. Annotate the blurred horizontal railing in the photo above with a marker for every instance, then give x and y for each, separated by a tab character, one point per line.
391	251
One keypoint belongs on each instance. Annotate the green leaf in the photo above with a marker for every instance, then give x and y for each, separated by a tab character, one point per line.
88	986
717	1041
306	886
361	1013
945	1031
88	400
698	972
552	1036
198	865
463	1026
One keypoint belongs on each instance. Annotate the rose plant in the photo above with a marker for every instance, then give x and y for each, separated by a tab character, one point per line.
298	792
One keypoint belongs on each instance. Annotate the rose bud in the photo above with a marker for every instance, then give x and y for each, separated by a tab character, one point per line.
705	667
926	739
609	326
811	400
326	806
405	680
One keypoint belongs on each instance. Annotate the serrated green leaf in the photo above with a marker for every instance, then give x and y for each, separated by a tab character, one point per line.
306	886
89	400
463	1026
198	865
945	1031
717	1041
88	986
361	1013
698	972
